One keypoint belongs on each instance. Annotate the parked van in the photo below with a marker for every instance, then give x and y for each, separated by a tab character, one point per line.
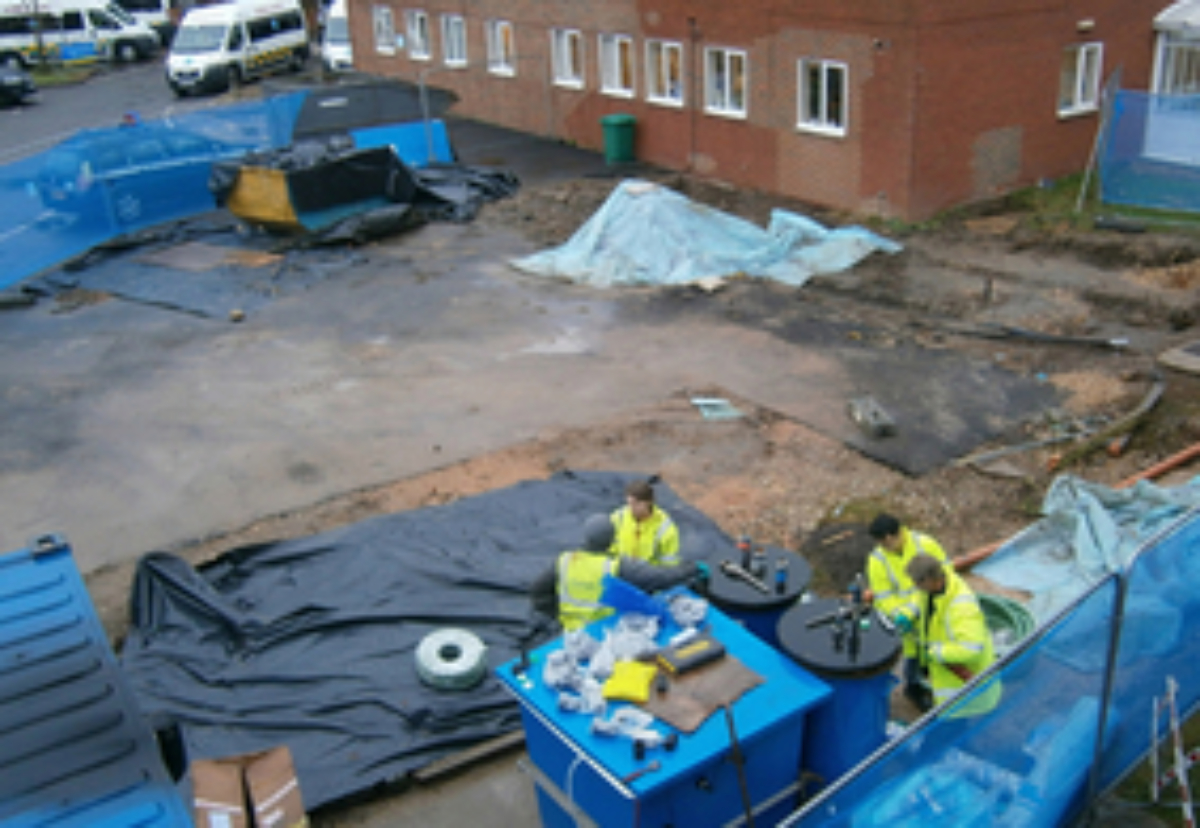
336	51
229	43
71	31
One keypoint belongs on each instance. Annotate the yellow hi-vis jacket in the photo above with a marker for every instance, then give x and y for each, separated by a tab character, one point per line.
655	539
954	633
887	578
580	584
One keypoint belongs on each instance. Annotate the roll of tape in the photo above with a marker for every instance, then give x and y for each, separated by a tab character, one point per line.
451	659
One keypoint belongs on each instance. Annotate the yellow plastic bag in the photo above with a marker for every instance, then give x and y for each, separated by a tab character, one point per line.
630	681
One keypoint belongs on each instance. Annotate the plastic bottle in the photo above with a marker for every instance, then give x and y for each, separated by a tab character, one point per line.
781	574
745	546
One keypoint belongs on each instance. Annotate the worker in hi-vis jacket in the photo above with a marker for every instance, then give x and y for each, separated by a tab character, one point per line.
895	596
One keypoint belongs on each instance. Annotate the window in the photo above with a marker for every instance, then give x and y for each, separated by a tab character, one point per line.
72	21
502	58
416	23
1079	79
822	105
385	30
100	20
566	51
664	72
454	40
616	65
725	82
1178	71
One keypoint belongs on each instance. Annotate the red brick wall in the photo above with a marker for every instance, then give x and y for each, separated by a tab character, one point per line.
948	103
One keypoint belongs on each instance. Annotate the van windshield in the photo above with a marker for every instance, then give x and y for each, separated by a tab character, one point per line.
196	39
337	32
120	14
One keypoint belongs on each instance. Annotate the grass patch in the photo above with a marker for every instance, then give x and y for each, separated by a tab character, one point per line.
48	76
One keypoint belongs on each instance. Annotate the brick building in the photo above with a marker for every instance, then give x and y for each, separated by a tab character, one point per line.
896	108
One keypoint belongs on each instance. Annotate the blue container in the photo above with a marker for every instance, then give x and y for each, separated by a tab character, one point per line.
76	751
697	784
852	723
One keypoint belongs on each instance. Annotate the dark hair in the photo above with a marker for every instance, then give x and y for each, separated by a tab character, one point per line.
640	490
883	526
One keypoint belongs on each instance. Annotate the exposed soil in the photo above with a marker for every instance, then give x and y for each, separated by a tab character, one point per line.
992	285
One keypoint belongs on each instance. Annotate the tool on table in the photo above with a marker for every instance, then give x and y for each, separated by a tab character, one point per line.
781	574
640	772
691	654
759	567
739	573
849	618
739	762
744	547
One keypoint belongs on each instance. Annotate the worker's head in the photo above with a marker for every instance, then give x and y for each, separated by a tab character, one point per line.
927	573
886	530
597	533
639	497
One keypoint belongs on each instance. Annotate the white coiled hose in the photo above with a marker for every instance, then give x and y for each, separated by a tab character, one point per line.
451	659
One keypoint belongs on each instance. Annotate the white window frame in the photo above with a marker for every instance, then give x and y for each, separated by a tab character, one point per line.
566	55
501	58
1084	94
823	122
658	64
719	91
384	27
454	40
612	80
416	25
1176	65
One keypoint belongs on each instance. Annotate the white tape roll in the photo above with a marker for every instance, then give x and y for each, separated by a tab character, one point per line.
451	659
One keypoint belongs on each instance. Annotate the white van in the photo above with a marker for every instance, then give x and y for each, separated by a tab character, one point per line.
336	52
229	43
71	31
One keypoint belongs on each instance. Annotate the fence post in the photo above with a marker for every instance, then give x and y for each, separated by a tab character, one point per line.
1114	640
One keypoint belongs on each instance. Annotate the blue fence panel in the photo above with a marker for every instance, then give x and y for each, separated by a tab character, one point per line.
1151	152
1025	763
103	183
1160	621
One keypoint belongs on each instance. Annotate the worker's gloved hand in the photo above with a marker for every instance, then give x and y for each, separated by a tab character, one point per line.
702	578
964	675
903	623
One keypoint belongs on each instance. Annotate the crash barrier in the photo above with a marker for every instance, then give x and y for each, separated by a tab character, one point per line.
1074	716
102	184
1150	151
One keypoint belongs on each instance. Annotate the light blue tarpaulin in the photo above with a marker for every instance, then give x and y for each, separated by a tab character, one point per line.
646	233
1088	531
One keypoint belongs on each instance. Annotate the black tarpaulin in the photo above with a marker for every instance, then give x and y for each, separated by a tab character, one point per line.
311	642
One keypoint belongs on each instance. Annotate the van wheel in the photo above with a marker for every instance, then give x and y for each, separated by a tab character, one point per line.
126	52
233	78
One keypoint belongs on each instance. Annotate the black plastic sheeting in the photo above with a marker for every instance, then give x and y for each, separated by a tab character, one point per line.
343	108
116	269
311	642
330	172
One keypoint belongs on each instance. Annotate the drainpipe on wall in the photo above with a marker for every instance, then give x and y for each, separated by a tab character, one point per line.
694	92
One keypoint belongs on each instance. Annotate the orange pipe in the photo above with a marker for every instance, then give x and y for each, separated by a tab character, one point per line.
969	559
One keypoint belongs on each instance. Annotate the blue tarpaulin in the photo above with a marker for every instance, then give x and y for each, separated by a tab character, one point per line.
646	233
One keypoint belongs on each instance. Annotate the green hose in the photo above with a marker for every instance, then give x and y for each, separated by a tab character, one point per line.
1008	620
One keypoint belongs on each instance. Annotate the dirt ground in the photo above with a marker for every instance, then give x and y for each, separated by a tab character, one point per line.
995	285
953	287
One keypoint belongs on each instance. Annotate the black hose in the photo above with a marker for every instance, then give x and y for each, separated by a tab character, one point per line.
739	762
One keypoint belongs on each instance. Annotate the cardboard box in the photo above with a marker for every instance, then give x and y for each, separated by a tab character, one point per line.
255	790
218	794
